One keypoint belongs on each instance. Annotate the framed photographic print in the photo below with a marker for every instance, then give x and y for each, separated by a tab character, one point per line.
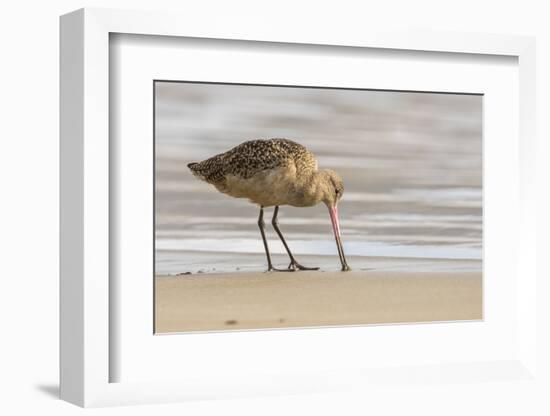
404	168
254	213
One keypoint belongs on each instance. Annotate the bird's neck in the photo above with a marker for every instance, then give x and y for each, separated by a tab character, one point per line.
309	190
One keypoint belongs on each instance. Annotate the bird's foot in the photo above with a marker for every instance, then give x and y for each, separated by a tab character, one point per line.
293	266
275	269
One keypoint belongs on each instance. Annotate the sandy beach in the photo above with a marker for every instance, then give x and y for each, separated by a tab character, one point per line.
252	300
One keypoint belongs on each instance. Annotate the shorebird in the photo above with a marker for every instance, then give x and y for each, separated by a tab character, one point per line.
275	172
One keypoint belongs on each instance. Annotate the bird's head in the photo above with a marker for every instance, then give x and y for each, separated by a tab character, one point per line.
332	186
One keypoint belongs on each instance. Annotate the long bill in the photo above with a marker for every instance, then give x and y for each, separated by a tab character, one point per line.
336	228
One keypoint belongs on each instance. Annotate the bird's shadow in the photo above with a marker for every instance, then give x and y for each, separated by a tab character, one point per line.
51	390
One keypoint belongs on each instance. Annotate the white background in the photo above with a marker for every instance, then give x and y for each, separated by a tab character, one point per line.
29	208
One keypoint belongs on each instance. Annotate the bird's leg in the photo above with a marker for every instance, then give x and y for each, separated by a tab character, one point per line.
261	224
293	263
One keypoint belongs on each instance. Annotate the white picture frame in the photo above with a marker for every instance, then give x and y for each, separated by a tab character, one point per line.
85	221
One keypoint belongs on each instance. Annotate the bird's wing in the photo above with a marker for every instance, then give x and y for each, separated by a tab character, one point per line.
254	156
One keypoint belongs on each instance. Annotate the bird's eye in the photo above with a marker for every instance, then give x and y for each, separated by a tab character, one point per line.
337	191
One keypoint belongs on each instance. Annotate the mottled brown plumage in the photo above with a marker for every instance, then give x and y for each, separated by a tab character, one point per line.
253	156
268	172
274	172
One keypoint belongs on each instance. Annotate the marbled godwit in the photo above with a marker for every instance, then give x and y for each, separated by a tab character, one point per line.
275	172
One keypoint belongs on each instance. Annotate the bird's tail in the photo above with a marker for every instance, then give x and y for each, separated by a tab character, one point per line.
199	170
193	166
209	170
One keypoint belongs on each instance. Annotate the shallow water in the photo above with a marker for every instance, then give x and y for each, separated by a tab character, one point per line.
411	164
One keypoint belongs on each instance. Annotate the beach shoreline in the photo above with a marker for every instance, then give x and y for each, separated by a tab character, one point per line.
259	300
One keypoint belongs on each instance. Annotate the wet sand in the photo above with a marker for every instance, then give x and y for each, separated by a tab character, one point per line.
254	300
